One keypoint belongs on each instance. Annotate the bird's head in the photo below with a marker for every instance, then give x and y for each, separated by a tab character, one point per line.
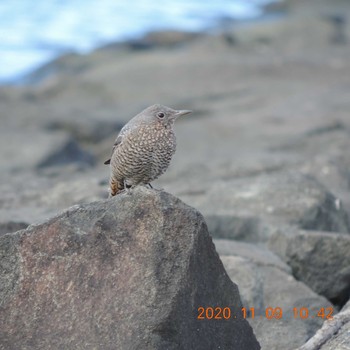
163	115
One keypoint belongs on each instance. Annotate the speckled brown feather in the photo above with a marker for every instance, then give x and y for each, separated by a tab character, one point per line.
115	186
144	148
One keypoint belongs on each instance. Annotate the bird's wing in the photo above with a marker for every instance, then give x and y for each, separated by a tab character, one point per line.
117	142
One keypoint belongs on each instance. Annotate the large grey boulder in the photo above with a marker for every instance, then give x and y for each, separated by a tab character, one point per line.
125	273
266	284
250	209
319	259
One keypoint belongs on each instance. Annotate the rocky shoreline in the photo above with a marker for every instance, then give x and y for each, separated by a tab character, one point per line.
264	157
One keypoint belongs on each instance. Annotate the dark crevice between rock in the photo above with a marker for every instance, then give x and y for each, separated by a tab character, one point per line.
86	131
340	300
12	226
69	153
336	126
324	218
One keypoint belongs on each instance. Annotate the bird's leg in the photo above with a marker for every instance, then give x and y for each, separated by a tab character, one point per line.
156	189
127	188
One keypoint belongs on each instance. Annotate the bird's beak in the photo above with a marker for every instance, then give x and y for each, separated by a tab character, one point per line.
182	112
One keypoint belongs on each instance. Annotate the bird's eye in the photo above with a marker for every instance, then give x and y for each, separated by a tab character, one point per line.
160	115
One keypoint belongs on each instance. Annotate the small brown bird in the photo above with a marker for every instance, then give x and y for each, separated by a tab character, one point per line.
143	148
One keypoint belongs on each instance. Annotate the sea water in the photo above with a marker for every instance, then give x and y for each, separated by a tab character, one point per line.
35	32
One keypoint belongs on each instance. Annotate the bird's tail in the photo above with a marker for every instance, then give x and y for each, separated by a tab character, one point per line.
115	186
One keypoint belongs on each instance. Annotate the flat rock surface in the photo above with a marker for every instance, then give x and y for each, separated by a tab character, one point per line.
258	254
319	259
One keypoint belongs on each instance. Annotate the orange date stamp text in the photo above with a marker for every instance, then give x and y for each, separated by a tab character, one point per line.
226	313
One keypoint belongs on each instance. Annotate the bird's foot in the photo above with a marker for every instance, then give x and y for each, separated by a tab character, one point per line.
128	190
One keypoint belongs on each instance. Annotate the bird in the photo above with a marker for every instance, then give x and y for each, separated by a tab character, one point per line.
143	149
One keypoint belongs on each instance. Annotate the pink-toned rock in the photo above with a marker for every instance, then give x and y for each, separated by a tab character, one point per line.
125	273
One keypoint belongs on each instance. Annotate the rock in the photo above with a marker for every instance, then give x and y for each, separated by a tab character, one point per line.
86	129
281	334
341	338
258	255
319	259
40	197
164	39
41	150
323	147
249	281
334	334
265	287
12	226
257	204
69	64
232	154
332	169
70	152
125	273
238	227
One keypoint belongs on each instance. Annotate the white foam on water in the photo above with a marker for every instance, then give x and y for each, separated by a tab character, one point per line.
34	32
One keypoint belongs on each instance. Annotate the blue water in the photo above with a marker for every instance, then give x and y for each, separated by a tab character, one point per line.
34	32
